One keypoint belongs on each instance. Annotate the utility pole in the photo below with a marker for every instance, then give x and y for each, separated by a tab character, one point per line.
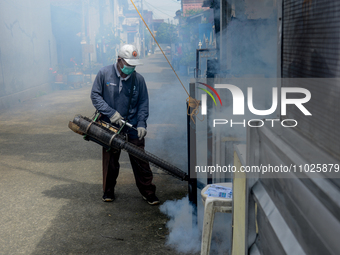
143	41
83	37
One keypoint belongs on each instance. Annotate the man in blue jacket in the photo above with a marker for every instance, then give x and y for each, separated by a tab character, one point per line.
111	95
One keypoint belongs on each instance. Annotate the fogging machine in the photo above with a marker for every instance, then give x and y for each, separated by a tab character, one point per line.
110	137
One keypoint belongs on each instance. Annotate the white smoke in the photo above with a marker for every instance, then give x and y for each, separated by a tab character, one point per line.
185	234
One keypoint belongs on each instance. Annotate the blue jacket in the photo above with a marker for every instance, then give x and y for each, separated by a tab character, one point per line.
107	99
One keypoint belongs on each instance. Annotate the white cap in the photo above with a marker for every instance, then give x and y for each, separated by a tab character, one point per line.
130	54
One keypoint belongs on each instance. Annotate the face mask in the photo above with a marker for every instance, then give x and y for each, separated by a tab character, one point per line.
127	69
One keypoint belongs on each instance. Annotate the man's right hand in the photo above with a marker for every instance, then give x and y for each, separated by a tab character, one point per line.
117	119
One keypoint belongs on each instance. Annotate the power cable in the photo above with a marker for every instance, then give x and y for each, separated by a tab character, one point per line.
153	7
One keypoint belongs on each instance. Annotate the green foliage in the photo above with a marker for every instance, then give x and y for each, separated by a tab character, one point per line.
189	33
40	93
147	36
188	59
167	33
192	12
106	34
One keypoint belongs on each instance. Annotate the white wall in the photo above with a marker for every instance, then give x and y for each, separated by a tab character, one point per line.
25	28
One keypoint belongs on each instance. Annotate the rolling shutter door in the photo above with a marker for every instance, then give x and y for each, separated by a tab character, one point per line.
310	50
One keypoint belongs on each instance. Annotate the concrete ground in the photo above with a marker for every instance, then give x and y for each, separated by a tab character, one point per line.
51	180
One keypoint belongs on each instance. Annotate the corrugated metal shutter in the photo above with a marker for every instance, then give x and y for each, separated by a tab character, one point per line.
311	49
294	215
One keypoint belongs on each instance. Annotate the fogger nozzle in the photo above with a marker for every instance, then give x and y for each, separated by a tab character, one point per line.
128	124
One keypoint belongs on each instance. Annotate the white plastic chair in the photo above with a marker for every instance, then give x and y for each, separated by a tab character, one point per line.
211	206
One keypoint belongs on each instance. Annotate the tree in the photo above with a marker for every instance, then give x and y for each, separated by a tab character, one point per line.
107	38
167	33
192	12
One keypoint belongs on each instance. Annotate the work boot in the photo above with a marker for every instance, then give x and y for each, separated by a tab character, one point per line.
151	199
108	197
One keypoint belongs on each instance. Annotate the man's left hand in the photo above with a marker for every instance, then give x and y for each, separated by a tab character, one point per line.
141	132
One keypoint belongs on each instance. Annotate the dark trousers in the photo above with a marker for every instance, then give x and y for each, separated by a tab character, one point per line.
142	172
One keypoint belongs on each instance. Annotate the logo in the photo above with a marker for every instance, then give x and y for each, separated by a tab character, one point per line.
134	53
239	102
204	97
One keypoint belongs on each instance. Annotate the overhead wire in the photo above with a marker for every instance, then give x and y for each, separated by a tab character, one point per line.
155	14
156	8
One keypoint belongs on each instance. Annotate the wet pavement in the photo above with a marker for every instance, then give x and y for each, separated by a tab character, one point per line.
51	180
